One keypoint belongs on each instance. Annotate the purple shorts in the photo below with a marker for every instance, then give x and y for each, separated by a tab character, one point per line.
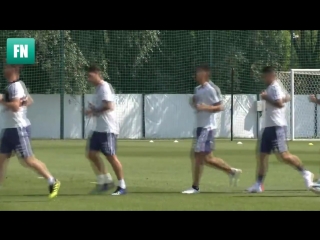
16	140
204	140
274	139
103	142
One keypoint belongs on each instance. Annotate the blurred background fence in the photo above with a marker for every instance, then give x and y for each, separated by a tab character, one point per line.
160	61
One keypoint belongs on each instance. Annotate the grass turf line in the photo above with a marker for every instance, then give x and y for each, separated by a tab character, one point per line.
156	174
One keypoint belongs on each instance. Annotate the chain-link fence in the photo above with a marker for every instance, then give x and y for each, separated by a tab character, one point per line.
161	61
154	61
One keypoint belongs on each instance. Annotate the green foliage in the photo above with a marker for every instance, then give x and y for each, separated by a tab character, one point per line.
161	61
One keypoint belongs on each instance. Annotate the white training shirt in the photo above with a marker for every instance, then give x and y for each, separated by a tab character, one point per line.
208	94
25	108
274	116
14	119
106	121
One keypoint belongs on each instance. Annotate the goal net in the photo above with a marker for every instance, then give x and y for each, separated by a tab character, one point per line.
302	116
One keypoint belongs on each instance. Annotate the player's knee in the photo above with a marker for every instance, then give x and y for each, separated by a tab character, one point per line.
200	158
111	158
28	161
263	157
91	155
285	156
199	161
208	159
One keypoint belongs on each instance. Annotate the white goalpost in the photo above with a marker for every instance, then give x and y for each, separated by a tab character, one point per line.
303	116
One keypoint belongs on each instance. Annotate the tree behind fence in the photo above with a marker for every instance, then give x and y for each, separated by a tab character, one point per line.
161	61
154	61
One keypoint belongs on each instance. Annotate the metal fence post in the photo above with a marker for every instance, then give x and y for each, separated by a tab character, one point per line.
231	108
62	79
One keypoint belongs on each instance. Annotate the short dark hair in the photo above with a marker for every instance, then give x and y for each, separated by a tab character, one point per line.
93	69
16	66
268	69
203	67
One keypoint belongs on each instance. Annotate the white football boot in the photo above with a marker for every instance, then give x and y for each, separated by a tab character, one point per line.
234	177
316	180
256	188
191	191
315	187
308	178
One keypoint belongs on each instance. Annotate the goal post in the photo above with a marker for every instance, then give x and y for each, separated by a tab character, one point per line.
302	115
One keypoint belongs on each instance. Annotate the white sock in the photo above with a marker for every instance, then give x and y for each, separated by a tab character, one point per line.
51	180
108	178
122	184
100	179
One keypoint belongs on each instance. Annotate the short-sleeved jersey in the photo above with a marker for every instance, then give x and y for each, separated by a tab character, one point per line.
14	119
208	94
106	121
274	116
25	109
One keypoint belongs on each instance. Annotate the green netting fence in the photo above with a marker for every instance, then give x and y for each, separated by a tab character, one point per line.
161	61
154	61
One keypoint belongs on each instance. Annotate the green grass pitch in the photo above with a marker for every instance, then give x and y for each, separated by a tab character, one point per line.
156	173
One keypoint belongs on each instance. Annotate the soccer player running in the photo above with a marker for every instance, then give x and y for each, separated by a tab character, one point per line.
104	137
14	136
207	102
316	186
274	135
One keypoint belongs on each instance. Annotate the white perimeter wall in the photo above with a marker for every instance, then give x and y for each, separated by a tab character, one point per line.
165	116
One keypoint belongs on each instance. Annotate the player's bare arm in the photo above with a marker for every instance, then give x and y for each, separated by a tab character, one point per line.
29	101
218	107
313	98
106	106
279	103
287	98
14	105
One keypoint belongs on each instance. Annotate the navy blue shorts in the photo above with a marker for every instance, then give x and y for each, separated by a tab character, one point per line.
274	139
16	140
103	142
204	142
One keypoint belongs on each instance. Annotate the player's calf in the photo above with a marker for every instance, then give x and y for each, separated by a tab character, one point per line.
41	169
295	162
96	163
118	170
218	163
104	179
3	166
262	163
197	168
